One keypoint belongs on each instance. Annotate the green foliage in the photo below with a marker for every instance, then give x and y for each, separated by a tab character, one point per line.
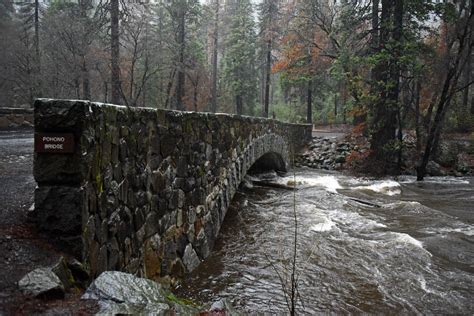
180	301
288	113
240	77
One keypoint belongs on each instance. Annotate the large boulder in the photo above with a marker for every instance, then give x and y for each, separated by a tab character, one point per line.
123	293
223	307
434	169
42	282
446	153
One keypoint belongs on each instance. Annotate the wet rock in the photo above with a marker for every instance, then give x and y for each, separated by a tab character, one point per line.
325	153
79	272
42	282
123	293
434	169
61	269
340	159
446	153
190	258
224	306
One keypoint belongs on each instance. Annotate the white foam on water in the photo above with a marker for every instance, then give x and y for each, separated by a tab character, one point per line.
388	187
440	180
407	239
466	230
402	238
336	219
356	221
330	183
402	203
397	238
326	224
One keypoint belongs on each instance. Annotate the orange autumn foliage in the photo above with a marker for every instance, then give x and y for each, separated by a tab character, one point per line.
300	58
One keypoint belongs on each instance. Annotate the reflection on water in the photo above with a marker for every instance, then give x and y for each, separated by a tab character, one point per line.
410	249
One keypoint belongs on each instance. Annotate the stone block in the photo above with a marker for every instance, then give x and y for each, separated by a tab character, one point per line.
59	209
151	225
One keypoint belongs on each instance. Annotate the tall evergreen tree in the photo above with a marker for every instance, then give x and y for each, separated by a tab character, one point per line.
29	14
239	60
183	14
269	16
214	62
115	51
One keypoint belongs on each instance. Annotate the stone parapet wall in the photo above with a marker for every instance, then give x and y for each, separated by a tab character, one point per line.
146	190
15	117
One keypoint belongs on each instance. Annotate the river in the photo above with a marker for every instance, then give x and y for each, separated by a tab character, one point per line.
409	250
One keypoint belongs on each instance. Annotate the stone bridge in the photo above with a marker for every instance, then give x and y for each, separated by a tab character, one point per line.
144	190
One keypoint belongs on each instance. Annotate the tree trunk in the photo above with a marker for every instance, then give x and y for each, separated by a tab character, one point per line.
238	104
455	69
195	83
374	39
443	103
429	112
86	88
181	75
106	92
395	75
417	116
115	51
195	97
309	103
384	116
168	88
467	80
37	66
214	60
384	122
268	69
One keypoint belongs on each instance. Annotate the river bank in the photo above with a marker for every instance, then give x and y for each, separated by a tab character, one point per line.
342	150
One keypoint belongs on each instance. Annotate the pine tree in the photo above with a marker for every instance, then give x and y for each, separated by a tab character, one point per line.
30	14
184	13
269	16
115	51
239	60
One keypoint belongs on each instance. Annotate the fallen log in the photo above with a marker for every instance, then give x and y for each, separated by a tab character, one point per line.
365	202
273	185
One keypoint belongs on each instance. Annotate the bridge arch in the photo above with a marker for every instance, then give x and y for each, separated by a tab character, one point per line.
145	191
270	161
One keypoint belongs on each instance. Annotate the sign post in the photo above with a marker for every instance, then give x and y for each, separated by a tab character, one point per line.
56	143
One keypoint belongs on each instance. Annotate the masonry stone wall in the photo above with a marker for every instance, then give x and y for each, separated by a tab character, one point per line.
15	118
146	190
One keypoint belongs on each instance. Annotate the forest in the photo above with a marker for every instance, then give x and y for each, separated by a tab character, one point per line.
389	68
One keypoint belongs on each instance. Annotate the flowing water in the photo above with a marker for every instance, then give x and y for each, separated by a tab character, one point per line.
409	250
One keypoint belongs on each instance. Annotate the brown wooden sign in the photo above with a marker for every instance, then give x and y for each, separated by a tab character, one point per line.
54	143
